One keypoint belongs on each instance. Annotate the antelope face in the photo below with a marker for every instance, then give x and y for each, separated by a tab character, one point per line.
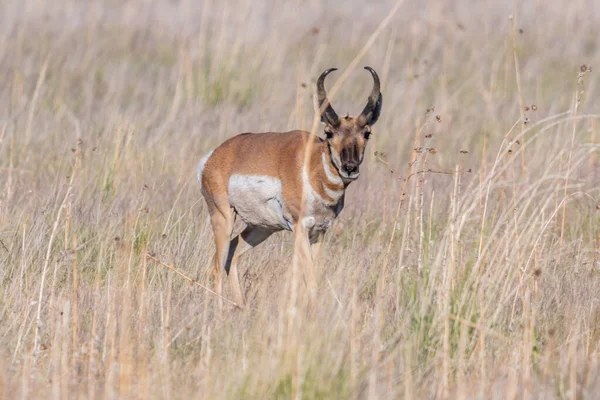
347	137
347	142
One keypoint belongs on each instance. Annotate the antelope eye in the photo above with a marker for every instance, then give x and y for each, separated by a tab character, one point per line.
367	134
328	134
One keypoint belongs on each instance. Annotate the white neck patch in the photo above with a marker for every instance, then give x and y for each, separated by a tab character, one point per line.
331	177
334	194
311	194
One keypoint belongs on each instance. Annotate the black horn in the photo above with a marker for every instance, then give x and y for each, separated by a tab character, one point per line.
371	112
328	115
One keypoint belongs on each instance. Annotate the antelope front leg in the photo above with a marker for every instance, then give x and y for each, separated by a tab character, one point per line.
316	246
302	247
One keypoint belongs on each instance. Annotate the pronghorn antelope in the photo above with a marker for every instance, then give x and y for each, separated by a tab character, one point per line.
261	177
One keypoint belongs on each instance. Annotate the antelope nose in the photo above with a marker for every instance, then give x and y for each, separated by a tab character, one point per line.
350	168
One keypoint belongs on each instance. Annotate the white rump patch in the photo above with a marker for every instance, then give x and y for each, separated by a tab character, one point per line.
201	165
258	200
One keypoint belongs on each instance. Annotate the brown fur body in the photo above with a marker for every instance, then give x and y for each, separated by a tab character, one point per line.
279	156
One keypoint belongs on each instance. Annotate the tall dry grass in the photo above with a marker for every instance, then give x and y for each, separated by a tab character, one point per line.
465	264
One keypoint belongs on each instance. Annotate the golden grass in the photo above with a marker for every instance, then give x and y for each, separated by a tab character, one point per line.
466	263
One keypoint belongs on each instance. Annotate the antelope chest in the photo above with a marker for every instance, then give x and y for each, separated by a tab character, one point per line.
320	212
319	215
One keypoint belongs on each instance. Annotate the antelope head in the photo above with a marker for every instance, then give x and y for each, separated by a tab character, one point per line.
347	137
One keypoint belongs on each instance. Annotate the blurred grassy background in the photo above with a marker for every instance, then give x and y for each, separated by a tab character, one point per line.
434	284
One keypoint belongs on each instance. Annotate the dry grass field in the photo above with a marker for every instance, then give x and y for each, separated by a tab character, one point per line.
466	263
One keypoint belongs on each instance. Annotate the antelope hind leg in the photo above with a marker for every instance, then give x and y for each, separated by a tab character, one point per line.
222	224
247	240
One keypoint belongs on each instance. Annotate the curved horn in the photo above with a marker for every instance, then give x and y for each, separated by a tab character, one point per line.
328	115
371	112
